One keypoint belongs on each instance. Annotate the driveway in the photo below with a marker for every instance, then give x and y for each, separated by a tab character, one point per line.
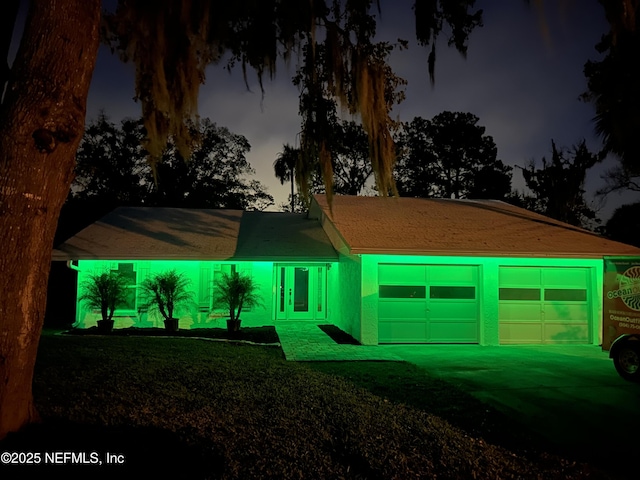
571	395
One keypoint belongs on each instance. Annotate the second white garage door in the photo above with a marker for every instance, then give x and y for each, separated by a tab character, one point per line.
428	303
544	305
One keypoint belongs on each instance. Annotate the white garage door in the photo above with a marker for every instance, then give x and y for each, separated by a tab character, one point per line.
427	303
544	305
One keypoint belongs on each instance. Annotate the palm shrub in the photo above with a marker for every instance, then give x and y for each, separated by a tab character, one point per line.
234	292
167	291
104	292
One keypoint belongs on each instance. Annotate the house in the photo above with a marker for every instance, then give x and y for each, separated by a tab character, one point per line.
385	270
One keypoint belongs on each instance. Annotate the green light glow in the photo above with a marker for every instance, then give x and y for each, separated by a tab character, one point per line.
398	298
303	292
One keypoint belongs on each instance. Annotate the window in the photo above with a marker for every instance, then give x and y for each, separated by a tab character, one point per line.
565	294
462	293
402	291
519	294
301	289
283	272
320	285
127	271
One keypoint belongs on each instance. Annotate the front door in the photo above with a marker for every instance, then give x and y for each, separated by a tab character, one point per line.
301	292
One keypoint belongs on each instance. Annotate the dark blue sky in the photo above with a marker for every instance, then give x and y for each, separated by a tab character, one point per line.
522	84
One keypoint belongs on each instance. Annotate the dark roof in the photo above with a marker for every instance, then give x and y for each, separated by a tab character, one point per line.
149	233
419	226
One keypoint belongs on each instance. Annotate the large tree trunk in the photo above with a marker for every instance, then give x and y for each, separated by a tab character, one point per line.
41	124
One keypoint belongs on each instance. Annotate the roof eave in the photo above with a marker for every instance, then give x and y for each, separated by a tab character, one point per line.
478	253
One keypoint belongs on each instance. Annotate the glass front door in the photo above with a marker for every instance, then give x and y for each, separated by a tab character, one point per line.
301	292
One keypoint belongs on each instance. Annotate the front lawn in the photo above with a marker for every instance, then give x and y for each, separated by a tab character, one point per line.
185	408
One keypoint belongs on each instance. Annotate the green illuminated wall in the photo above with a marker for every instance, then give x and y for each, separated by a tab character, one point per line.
201	275
347	285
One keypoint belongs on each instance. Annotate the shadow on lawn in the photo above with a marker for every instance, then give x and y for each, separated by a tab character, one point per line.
403	382
147	452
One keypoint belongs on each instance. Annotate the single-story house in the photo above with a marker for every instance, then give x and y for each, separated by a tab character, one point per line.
385	270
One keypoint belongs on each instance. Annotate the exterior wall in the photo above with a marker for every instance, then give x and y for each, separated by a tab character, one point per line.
345	311
369	316
487	289
333	305
198	315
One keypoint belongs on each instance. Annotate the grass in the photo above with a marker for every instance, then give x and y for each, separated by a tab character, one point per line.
402	382
179	408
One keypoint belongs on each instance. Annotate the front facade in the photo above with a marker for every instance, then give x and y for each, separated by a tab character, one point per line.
289	291
383	270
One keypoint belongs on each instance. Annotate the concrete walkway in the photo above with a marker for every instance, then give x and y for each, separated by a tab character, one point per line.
305	342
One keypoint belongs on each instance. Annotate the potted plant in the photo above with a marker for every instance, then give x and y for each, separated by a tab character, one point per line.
234	292
104	292
165	292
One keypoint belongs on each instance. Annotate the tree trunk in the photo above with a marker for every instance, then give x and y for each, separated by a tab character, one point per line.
293	202
41	124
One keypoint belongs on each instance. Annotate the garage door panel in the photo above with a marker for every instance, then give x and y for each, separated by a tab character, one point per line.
560	314
402	331
443	309
396	274
563	333
453	332
520	333
519	276
401	309
452	274
520	312
565	277
570	313
450	310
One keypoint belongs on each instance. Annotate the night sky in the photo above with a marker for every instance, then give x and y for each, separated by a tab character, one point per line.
521	83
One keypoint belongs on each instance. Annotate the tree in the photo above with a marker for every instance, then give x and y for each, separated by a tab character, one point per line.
618	179
111	167
104	291
294	204
166	292
351	165
41	123
233	291
172	43
214	176
450	156
558	186
613	84
284	168
112	170
624	224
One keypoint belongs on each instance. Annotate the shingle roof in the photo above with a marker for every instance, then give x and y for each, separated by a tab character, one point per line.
421	226
150	233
